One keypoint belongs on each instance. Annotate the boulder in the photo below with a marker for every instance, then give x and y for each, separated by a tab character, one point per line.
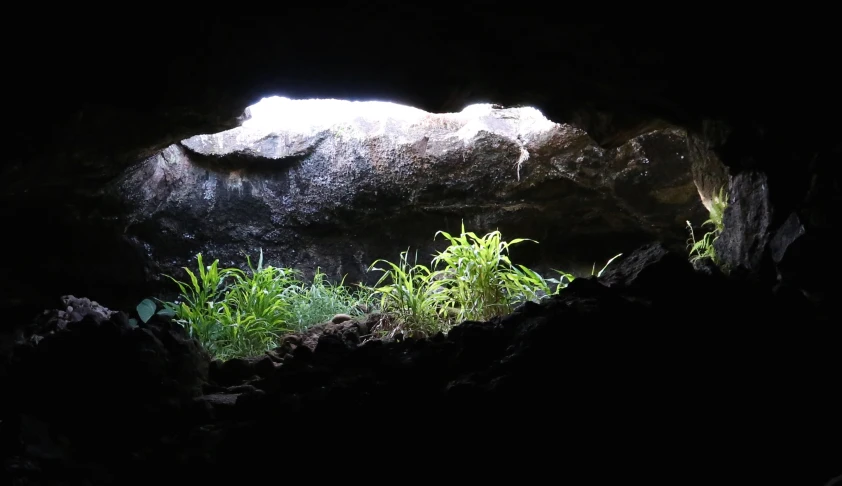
742	246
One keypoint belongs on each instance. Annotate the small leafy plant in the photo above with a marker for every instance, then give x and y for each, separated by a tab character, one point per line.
703	248
148	308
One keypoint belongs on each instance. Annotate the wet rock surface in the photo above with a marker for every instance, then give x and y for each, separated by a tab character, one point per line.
346	191
655	360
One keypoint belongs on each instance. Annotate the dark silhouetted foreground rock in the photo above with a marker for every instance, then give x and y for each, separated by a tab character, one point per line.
642	379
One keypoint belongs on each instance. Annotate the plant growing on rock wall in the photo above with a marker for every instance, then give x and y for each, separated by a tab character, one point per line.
703	248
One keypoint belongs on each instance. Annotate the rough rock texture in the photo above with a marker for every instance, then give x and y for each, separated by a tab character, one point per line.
747	221
75	310
709	173
348	191
639	270
641	376
793	247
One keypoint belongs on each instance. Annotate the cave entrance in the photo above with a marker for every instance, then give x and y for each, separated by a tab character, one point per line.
334	184
324	188
281	113
327	187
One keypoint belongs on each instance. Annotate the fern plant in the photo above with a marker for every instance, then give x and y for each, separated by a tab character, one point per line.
703	248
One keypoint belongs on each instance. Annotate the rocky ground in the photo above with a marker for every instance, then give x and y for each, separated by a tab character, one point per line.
656	373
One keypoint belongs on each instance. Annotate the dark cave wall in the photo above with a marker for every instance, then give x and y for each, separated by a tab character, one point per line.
785	199
53	252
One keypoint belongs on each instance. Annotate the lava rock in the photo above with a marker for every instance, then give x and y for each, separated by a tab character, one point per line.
237	370
747	224
341	179
648	268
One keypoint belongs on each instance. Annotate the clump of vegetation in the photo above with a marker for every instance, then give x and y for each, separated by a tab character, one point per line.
472	279
235	312
703	248
412	294
244	313
232	312
318	301
478	277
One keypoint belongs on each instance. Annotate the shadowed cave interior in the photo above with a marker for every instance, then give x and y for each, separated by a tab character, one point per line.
136	148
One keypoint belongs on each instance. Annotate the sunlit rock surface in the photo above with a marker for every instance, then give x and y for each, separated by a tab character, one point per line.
338	184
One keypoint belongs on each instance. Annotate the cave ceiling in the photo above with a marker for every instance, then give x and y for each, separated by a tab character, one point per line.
116	89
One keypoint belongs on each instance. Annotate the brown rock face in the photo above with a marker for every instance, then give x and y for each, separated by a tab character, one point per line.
342	193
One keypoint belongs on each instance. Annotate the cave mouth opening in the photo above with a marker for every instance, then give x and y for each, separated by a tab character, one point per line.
330	185
310	115
674	356
279	112
321	189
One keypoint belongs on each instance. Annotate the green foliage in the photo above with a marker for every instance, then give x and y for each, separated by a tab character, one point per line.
255	310
413	295
243	313
196	308
479	279
717	210
320	300
703	248
146	309
236	313
472	279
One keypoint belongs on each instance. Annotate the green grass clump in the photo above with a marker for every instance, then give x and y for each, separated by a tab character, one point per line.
472	279
235	313
320	300
411	293
196	307
479	279
703	248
